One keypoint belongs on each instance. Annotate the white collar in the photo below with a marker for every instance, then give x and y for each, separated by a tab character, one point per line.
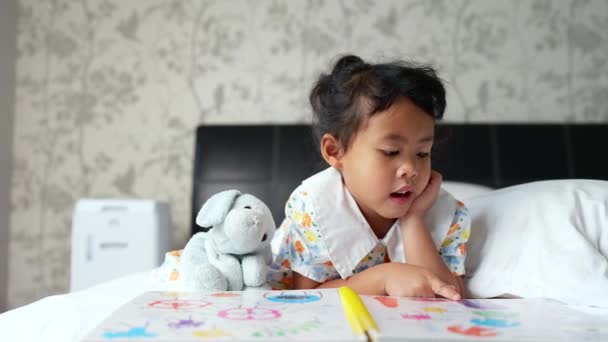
345	232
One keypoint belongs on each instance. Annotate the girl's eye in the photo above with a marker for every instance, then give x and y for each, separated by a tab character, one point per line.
390	153
423	154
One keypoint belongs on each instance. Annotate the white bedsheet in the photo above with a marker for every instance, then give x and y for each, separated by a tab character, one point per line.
69	317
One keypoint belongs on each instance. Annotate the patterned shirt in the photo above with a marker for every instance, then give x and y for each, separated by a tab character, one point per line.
324	235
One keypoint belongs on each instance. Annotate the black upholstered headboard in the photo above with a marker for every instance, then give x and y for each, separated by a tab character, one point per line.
269	161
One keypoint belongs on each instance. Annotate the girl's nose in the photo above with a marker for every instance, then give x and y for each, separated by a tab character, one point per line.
407	170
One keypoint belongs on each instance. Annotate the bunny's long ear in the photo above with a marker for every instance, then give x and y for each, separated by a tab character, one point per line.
216	208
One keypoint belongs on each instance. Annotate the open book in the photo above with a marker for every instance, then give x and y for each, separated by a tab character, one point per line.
314	315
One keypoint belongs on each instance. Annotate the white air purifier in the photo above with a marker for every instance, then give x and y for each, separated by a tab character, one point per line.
113	238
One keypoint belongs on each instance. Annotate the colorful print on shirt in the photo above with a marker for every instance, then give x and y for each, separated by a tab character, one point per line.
301	247
169	270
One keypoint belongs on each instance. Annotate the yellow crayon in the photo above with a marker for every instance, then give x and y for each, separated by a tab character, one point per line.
361	321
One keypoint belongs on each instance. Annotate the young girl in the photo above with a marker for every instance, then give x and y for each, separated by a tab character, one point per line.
376	220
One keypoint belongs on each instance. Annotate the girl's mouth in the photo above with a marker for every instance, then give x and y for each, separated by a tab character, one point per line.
401	194
401	197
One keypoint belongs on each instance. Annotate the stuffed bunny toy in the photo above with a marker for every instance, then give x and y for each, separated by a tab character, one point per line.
235	252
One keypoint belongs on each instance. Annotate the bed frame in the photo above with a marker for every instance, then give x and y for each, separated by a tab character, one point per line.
269	161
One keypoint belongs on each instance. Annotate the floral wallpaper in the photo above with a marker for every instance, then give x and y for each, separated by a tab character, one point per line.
109	92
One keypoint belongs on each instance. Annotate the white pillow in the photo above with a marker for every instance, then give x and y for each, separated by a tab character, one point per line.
462	190
543	239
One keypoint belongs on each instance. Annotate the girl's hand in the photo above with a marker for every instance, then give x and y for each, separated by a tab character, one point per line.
405	280
427	198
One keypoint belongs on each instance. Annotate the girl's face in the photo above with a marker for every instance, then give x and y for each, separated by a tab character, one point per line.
388	164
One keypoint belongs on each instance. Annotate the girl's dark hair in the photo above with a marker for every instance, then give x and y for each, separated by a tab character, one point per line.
356	90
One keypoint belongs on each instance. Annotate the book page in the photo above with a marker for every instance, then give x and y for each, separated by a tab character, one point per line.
318	315
250	315
482	319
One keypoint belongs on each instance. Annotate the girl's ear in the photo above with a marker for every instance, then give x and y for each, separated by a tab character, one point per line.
332	151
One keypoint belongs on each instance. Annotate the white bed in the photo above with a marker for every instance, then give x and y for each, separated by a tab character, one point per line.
544	239
68	317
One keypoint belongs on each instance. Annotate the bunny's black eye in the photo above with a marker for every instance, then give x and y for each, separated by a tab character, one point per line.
247	207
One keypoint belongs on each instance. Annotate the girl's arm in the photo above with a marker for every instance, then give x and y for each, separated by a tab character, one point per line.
393	279
421	250
417	242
